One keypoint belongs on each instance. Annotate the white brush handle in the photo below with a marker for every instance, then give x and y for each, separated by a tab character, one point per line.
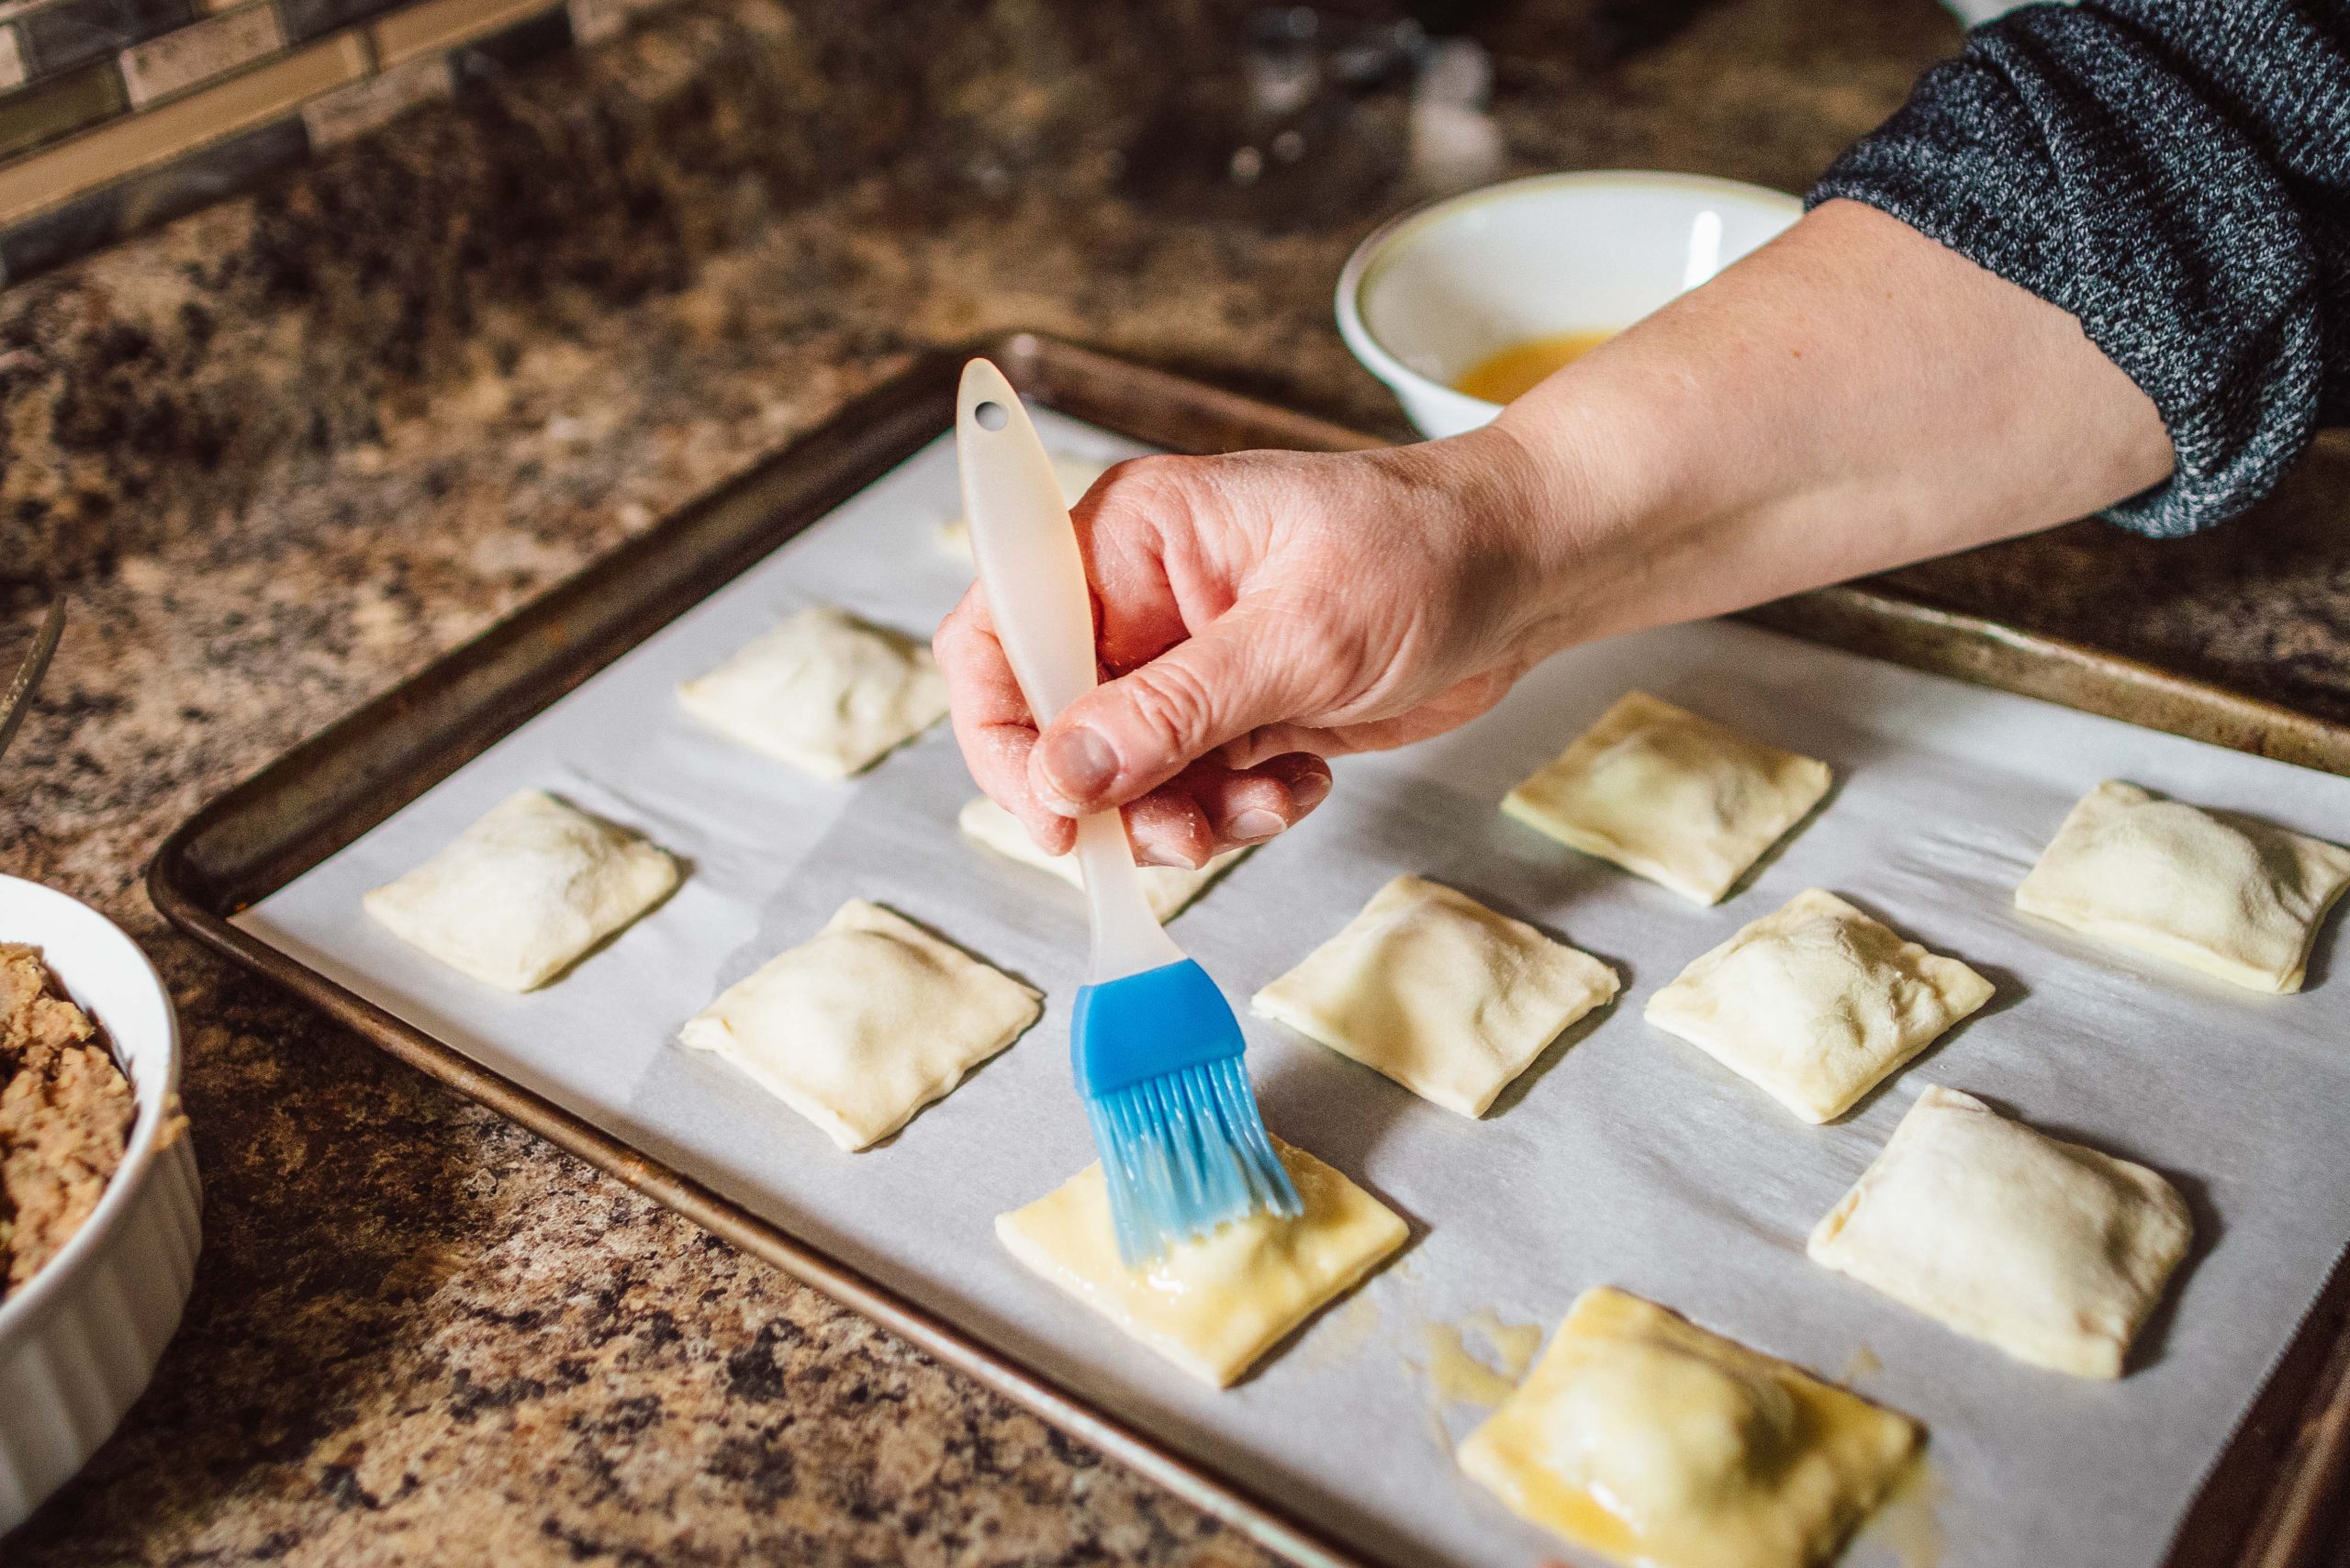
1042	611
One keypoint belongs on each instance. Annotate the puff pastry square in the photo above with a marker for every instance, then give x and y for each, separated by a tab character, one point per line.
1168	889
2054	1252
518	897
1677	799
1817	1003
1438	992
1213	1305
865	1023
1644	1438
2239	900
825	693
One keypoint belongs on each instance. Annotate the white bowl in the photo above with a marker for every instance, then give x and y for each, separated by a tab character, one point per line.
1435	293
80	1339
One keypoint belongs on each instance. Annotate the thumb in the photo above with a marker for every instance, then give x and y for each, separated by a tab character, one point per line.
1132	735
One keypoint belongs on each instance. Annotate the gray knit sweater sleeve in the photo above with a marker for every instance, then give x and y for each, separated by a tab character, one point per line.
2176	174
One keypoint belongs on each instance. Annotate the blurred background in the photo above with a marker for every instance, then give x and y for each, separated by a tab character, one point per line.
334	329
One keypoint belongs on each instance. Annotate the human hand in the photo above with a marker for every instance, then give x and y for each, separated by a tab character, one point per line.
1256	614
1850	397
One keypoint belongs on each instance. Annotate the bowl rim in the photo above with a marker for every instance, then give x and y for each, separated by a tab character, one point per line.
32	1303
1369	257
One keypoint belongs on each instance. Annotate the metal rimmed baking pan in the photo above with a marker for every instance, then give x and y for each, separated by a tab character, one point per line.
2261	1505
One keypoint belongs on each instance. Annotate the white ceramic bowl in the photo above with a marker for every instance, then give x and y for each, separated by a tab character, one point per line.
79	1340
1435	293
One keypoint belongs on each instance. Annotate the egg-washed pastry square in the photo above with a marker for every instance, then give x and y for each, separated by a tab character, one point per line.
2235	898
825	692
1651	1440
1671	797
2054	1252
1076	476
520	895
1817	1003
1167	889
1438	992
1215	1304
865	1023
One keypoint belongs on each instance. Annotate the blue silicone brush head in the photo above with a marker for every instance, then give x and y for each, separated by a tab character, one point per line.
1159	1060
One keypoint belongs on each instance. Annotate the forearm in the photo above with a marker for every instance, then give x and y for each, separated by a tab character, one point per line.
1851	399
2166	178
2177	177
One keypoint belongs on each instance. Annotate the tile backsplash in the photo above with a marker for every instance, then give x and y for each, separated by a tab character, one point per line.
116	114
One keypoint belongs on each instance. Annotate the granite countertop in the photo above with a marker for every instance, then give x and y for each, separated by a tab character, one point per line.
285	452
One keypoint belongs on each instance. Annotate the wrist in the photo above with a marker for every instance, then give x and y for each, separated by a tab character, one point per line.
1565	498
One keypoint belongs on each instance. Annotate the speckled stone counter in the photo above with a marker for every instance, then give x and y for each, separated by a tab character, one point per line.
285	452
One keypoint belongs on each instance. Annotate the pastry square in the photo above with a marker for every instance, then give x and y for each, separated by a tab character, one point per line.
865	1023
1817	1003
2054	1252
2236	898
1076	475
1650	1441
825	692
1168	889
1677	799
1213	1306
1438	992
517	898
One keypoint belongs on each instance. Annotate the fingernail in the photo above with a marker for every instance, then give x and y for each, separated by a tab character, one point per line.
1079	764
1249	827
1310	792
1158	854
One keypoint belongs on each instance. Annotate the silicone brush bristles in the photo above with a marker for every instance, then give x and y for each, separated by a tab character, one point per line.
1159	1060
1185	1153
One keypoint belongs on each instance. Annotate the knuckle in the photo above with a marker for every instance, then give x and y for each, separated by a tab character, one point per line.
954	632
1159	468
1172	704
1148	484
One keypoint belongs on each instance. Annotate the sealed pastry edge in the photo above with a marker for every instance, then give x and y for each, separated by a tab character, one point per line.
388	907
1048	1269
1855	1507
2153	942
708	1031
1822	1245
1663	1009
1648	711
694	695
1271	1002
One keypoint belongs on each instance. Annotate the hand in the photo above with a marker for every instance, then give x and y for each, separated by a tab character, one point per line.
1256	614
1850	397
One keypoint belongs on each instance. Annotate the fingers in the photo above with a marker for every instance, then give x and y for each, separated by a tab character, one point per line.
992	721
1249	806
1270	741
1147	740
1132	735
1167	827
1168	557
1208	809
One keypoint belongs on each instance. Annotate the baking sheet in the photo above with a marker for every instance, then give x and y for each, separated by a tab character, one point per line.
1624	1157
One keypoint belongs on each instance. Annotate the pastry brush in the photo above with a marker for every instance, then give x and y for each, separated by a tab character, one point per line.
1158	1051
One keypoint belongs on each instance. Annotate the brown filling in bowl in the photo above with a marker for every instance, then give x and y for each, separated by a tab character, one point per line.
65	1116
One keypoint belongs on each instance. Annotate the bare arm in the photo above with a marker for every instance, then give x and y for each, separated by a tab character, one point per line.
1852	397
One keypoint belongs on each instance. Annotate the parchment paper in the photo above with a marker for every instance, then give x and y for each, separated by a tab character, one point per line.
1624	1157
